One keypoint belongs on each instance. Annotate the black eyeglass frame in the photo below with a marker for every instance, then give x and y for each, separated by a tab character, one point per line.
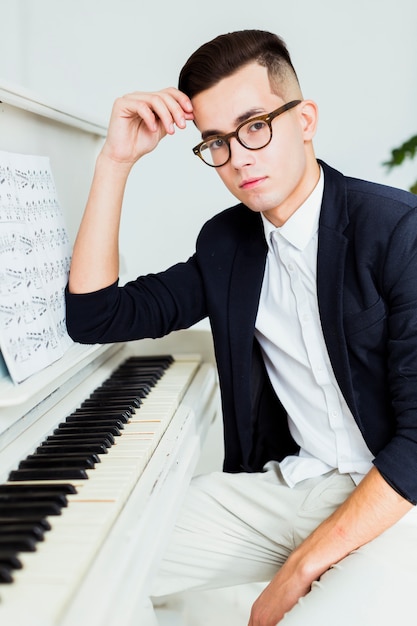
267	117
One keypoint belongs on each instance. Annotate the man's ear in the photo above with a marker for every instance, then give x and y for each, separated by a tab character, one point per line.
309	118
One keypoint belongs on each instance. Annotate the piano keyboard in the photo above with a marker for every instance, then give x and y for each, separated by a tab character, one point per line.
64	500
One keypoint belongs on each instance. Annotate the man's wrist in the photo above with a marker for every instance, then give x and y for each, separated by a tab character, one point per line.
113	166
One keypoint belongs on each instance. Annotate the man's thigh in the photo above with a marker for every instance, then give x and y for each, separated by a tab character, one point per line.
374	586
240	528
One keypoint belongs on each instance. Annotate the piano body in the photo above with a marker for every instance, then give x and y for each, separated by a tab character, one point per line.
94	559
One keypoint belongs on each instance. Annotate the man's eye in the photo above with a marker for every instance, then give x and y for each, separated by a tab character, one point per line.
256	126
216	144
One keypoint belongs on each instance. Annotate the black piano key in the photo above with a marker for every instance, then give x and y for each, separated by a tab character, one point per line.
131	379
71	438
18	543
131	385
82	429
131	366
124	383
151	374
117	394
10	559
62	447
128	381
160	359
148	375
101	406
38	488
49	473
142	368
5	574
97	413
121	411
87	421
132	369
29	510
95	416
120	384
129	404
10	498
9	562
121	390
129	399
139	392
24	528
38	520
41	460
89	458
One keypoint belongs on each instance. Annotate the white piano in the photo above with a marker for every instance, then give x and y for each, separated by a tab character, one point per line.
94	560
98	560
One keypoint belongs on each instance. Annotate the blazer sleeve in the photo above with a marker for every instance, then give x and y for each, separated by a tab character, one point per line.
150	306
369	315
397	460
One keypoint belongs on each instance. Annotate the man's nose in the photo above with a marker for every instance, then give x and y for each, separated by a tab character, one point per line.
239	155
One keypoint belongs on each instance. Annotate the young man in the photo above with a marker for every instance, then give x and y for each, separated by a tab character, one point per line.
310	287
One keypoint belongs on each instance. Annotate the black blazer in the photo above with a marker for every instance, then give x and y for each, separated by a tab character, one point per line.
367	295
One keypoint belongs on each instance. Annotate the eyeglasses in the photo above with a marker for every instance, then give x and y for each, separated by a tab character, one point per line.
254	134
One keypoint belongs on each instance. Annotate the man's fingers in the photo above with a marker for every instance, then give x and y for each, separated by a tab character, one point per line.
169	107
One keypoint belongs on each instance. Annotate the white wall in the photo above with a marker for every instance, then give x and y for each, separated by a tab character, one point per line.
357	59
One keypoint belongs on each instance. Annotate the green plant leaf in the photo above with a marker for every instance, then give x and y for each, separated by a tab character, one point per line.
408	150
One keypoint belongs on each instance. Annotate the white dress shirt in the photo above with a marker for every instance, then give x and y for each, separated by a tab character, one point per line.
289	331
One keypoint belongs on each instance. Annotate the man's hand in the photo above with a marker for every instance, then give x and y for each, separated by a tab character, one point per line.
140	120
282	593
373	507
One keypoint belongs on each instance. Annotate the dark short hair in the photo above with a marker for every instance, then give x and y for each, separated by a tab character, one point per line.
224	55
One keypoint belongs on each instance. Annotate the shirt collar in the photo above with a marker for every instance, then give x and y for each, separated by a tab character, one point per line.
303	223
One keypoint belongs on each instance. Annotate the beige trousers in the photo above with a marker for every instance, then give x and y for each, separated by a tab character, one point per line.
240	528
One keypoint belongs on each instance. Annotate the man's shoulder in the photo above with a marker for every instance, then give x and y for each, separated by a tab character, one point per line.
379	192
235	222
372	192
369	206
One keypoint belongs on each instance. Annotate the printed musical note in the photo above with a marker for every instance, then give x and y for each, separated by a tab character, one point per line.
35	256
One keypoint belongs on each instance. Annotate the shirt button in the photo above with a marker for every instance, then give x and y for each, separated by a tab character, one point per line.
290	267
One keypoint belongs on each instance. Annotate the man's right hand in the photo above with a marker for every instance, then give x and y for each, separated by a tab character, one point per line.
141	119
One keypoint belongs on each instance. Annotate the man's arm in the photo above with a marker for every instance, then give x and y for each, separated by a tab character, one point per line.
137	124
372	508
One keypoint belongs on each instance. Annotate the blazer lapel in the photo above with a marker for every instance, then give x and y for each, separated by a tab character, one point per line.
331	260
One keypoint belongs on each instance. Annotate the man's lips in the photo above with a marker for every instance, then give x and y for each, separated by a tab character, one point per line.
249	183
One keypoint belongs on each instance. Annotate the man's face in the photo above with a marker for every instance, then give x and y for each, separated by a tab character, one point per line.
278	178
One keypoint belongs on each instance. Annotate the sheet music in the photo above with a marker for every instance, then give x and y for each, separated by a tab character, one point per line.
34	261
